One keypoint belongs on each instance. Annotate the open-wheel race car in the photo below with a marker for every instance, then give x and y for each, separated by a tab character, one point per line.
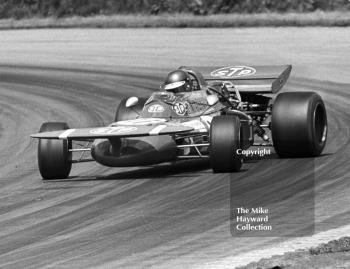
199	112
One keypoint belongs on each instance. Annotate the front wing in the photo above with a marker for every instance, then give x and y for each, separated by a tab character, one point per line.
115	131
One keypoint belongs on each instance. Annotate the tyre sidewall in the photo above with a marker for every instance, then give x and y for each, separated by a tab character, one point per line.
293	124
54	158
224	143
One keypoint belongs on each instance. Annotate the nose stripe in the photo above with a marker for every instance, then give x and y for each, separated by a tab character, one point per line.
156	130
66	133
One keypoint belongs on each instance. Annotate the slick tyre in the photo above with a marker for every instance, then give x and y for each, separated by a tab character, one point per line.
224	142
299	124
54	158
129	113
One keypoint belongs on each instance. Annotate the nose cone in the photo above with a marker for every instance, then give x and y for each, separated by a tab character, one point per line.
134	151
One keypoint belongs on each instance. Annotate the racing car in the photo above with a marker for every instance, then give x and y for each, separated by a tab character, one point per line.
198	113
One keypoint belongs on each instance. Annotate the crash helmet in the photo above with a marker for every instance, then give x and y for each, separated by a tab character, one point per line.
178	81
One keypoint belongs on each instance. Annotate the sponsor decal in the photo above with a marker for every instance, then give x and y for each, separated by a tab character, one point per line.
180	108
142	121
113	130
233	72
155	109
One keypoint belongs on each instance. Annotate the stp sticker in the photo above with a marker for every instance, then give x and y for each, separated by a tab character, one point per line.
180	108
233	72
113	130
155	109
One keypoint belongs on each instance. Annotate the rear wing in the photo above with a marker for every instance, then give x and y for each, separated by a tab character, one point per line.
249	79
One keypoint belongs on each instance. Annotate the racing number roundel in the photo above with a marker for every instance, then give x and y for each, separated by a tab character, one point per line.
233	72
180	108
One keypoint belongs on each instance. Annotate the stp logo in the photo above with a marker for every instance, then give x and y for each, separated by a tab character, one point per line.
155	109
233	71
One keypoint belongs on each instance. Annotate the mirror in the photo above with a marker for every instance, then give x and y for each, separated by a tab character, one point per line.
132	101
212	99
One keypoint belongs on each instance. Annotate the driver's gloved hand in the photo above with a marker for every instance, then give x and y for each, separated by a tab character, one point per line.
225	91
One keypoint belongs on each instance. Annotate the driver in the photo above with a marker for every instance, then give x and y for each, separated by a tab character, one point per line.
178	81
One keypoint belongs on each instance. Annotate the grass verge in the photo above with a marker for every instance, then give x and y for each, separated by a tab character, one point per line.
334	254
326	19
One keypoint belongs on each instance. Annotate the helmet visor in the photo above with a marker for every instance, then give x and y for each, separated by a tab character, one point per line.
178	86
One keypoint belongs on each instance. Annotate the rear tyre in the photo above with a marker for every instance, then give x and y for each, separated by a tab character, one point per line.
54	158
224	143
129	113
299	124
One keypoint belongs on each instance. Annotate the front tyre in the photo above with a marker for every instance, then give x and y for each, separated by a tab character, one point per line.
299	124
224	143
54	158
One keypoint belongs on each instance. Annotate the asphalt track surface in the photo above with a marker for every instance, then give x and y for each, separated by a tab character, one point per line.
164	216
